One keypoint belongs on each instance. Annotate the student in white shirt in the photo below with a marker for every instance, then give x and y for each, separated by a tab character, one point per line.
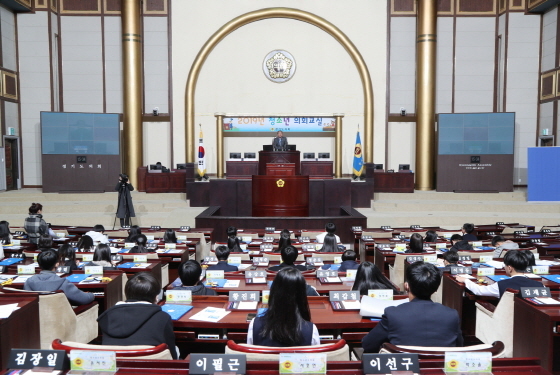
329	228
98	234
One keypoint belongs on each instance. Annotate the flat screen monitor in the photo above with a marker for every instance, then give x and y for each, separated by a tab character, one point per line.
249	155
291	147
324	155
154	167
182	166
378	166
309	155
404	167
235	155
267	148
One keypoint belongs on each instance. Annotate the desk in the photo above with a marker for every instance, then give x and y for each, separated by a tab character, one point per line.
21	328
317	169
172	182
241	169
399	182
266	157
287	198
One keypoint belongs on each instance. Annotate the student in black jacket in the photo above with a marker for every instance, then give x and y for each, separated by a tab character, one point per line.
467	230
289	255
138	320
190	272
222	253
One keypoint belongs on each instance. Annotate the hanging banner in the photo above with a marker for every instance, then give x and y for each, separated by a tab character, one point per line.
307	124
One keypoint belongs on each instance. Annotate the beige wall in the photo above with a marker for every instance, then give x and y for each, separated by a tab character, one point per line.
326	80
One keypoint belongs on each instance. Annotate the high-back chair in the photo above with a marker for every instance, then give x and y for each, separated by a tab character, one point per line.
427	352
337	351
378	234
160	351
59	320
511	230
495	323
396	271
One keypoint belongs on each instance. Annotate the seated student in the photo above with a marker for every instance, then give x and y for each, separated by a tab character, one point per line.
67	257
47	280
458	243
370	277
45	243
140	246
85	244
502	245
329	244
132	233
138	320
102	257
416	244
531	258
233	241
169	236
222	253
329	228
431	236
5	235
189	273
467	230
348	261
515	265
284	240
418	322
287	321
289	255
98	234
34	224
450	259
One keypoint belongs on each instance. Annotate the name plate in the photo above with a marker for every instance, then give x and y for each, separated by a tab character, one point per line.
259	260
384	246
386	227
153	246
441	245
178	296
246	238
265	296
305	239
268	239
415	227
210	259
185	228
267	247
465	258
21	256
386	294
60	234
125	226
30	358
351	274
541	270
326	273
16	242
305	363
486	271
486	258
500	223
234	260
62	269
308	247
128	245
170	245
140	258
255	274
201	364
356	228
19	233
468	362
87	257
93	360
344	296
150	238
546	231
367	238
116	258
430	258
460	270
490	233
400	248
387	363
3	268
400	237
337	260
155	227
270	229
518	232
182	238
534	292
212	275
315	260
244	296
25	270
476	244
93	270
414	258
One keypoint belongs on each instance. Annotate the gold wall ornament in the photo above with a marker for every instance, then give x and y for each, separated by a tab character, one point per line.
269	13
279	66
280	183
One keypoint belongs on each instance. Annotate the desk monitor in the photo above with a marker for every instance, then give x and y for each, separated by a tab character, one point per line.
324	155
309	155
267	148
291	147
249	155
155	167
235	155
182	166
404	167
378	166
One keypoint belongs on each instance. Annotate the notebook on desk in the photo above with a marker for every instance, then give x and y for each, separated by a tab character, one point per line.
176	311
76	278
497	278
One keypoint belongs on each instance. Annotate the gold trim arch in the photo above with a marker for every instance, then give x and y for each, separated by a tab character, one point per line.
263	14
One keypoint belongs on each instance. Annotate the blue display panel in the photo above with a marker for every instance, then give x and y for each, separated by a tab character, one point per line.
476	133
543	173
80	133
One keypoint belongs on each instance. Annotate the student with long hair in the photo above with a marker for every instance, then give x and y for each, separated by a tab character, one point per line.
5	232
45	243
102	257
370	277
431	236
416	244
287	322
85	244
140	246
169	236
284	240
132	233
329	244
67	257
233	241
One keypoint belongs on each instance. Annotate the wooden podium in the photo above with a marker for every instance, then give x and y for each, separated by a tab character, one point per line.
280	196
278	157
280	169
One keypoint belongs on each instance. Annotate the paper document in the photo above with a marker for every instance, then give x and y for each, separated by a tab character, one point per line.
210	314
376	307
465	276
232	284
6	310
495	264
21	279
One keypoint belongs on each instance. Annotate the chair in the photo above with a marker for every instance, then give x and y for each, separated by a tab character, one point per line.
129	256
337	351
58	319
396	271
425	352
495	323
327	257
277	257
378	234
130	351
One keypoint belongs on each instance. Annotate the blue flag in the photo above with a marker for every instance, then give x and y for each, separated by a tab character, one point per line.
358	165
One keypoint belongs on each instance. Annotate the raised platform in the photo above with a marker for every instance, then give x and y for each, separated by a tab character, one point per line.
346	217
